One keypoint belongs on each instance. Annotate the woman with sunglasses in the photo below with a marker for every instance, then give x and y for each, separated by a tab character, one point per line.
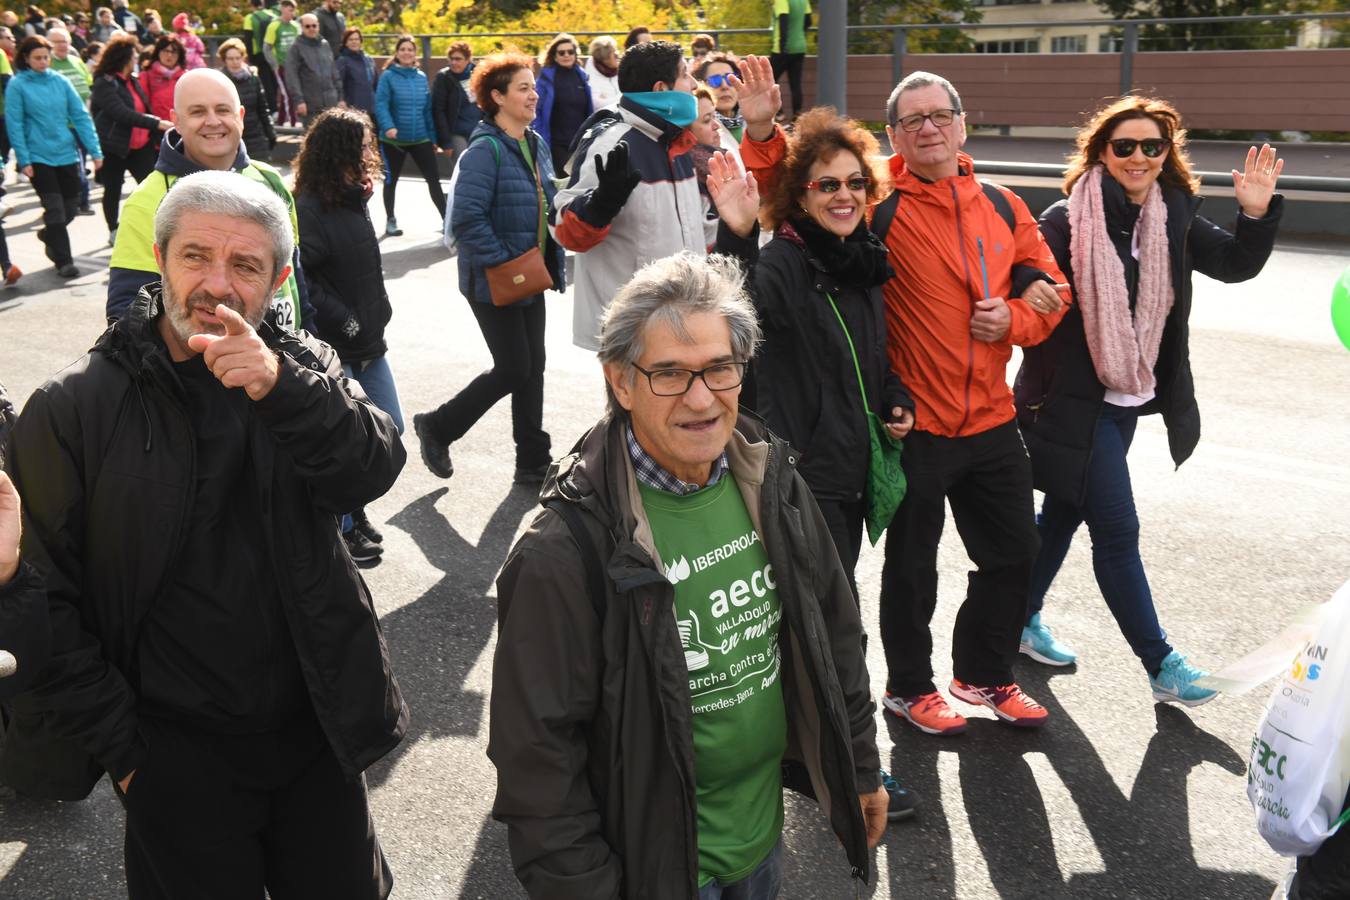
1127	238
715	70
817	288
564	97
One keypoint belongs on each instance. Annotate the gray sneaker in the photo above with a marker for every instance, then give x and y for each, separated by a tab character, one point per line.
391	227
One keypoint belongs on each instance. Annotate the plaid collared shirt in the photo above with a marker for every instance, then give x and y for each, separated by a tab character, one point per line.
650	472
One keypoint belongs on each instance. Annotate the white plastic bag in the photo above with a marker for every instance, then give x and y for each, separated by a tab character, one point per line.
1300	759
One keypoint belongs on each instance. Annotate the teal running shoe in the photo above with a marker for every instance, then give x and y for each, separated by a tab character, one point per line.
1040	645
1176	683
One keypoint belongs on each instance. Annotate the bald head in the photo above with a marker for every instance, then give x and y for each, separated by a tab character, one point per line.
209	117
309	19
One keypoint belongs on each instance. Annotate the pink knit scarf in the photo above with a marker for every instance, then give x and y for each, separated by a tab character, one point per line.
1124	347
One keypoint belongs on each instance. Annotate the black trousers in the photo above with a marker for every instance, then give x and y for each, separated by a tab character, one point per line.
424	155
515	337
791	63
987	479
58	189
140	163
221	817
266	77
844	519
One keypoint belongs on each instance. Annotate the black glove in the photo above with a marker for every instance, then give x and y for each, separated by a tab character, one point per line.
617	180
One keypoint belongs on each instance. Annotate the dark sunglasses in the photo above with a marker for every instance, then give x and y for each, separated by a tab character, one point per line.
832	185
1123	148
716	81
565	53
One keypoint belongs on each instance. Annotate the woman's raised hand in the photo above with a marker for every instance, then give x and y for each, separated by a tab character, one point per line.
1255	184
734	193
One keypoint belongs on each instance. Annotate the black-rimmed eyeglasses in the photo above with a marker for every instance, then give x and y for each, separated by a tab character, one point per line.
674	382
939	117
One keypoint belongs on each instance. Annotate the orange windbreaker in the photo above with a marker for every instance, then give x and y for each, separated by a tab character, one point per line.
959	384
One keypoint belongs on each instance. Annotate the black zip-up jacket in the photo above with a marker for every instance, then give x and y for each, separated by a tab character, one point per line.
341	256
805	384
451	109
114	111
1058	395
591	722
259	134
103	457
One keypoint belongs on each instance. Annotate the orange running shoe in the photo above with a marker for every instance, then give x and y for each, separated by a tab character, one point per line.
927	712
12	274
1008	702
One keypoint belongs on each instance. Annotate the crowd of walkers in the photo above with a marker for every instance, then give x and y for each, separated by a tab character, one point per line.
680	628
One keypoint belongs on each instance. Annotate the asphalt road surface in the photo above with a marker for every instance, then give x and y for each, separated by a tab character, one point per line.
1115	797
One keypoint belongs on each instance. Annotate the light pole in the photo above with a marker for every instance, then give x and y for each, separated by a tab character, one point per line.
832	55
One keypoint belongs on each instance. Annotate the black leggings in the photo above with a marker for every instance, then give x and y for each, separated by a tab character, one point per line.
424	155
58	187
515	337
139	163
791	63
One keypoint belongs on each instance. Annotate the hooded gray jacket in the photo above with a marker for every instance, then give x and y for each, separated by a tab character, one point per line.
311	75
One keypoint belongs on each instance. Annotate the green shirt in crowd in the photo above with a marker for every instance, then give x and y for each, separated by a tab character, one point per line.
728	614
75	71
6	73
796	11
529	161
281	35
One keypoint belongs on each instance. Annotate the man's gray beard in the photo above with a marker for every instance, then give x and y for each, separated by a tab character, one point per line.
180	317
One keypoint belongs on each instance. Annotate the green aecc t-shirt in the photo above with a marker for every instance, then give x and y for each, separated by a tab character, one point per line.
728	615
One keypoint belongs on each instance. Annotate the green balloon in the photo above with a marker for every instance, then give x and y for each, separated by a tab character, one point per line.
1340	308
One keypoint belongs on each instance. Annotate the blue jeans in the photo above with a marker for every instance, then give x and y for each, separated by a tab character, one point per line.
1113	524
762	884
377	380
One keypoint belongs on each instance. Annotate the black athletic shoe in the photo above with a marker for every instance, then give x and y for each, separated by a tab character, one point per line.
363	551
361	523
531	476
68	271
435	454
903	800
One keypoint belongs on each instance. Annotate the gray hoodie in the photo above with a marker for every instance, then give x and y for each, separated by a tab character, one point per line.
311	75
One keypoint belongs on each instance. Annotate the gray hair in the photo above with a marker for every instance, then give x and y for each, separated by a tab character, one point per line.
230	195
669	291
913	81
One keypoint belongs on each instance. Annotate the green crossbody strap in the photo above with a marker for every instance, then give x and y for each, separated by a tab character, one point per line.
857	370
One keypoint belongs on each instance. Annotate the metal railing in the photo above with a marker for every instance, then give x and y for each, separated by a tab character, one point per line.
1129	29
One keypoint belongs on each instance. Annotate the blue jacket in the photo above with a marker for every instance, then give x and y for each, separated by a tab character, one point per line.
403	101
494	212
356	71
41	108
543	112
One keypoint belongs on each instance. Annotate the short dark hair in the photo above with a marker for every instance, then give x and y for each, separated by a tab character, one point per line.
30	43
168	41
643	65
632	39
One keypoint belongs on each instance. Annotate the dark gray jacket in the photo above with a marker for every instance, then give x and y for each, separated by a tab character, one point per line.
312	76
591	721
331	26
102	456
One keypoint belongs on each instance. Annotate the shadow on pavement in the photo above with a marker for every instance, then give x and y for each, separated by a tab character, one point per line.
415	259
1144	840
435	641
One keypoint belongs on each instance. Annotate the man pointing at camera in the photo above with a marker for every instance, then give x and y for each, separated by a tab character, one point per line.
213	648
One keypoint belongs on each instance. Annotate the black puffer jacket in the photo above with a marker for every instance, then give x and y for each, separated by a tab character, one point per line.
1325	875
103	458
114	110
259	134
1057	392
592	730
805	385
341	256
24	629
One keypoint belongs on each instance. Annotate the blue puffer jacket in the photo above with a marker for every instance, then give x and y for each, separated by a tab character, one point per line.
495	211
543	111
403	101
41	108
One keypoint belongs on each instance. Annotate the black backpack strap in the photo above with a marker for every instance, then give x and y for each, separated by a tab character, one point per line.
1001	204
590	556
885	214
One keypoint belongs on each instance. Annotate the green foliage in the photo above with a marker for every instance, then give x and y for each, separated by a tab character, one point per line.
1251	35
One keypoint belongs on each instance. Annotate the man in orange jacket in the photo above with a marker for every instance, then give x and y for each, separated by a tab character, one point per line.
973	277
